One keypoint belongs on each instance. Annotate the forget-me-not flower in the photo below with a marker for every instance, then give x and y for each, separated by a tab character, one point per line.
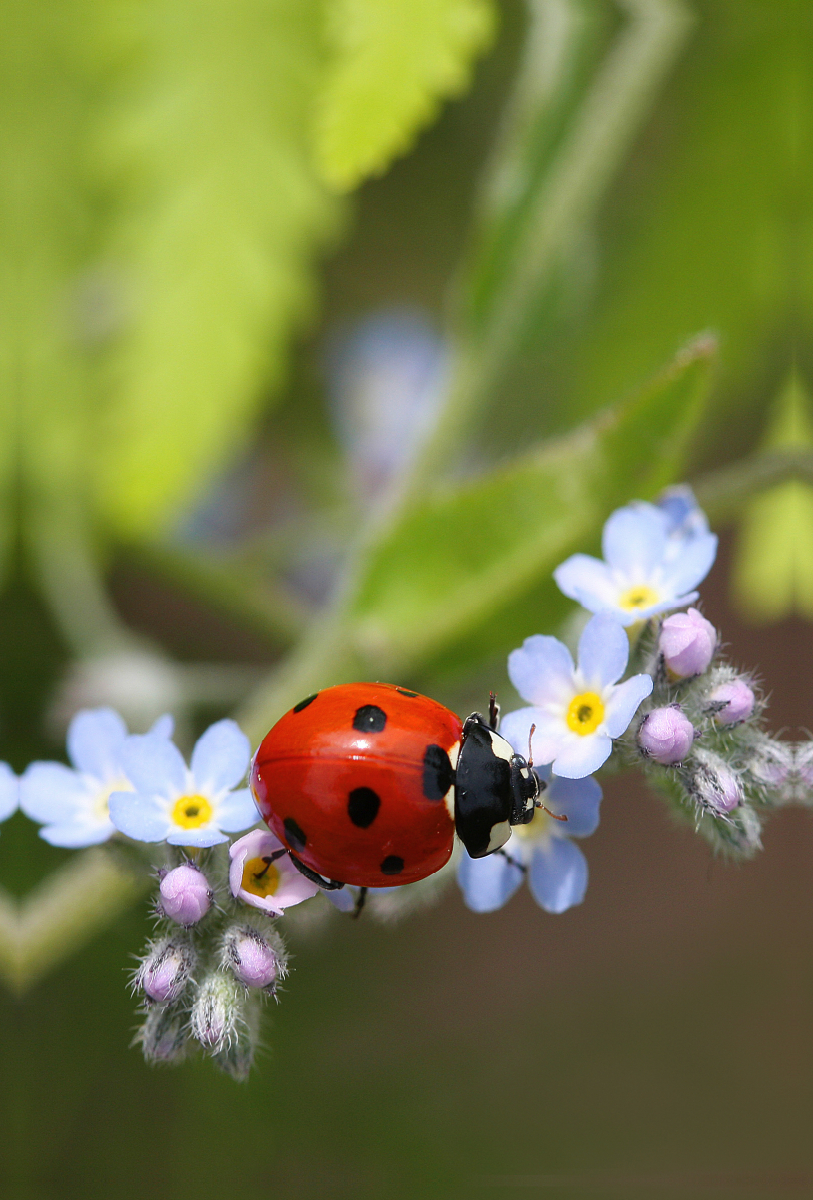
73	803
185	806
9	791
654	558
541	851
577	711
262	874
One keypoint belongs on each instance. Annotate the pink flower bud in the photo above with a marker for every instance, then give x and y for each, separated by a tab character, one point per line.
666	735
253	960
217	1011
687	643
164	973
738	700
185	894
727	794
715	785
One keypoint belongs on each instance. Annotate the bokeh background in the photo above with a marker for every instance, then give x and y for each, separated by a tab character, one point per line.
274	339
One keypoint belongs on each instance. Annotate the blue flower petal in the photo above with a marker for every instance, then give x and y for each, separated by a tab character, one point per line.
634	541
603	651
206	835
557	875
624	703
74	834
342	898
579	800
140	817
580	756
542	669
587	580
95	739
237	811
164	726
220	758
516	726
153	764
50	791
692	564
9	791
487	883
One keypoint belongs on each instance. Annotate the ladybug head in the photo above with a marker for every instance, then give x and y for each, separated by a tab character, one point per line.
494	789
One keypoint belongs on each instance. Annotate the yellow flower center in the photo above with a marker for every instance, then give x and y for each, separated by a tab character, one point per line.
537	827
191	811
640	596
585	714
260	877
101	804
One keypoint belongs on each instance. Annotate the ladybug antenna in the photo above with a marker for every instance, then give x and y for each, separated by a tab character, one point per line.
493	711
538	803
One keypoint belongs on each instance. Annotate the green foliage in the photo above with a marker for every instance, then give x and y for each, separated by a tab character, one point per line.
392	62
460	555
773	572
215	217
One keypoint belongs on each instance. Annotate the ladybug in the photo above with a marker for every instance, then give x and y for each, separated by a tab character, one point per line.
366	784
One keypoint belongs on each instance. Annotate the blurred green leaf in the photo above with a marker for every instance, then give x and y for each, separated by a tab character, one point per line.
459	556
46	409
393	62
773	569
216	217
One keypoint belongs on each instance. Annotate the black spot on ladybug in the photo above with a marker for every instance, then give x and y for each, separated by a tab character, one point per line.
294	834
404	692
369	719
304	703
438	773
362	807
392	865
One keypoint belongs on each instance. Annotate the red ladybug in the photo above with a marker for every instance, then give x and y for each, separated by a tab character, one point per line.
366	783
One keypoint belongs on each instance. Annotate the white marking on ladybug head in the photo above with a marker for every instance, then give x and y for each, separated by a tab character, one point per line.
499	836
500	747
448	799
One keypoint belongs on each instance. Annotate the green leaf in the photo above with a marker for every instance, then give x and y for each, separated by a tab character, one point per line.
217	215
393	61
46	412
460	556
773	569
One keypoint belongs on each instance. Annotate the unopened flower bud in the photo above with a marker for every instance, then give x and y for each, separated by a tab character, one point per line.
255	961
687	643
217	1012
666	735
715	785
737	701
165	971
185	894
163	1036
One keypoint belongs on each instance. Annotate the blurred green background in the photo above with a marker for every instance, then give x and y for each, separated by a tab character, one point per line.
202	203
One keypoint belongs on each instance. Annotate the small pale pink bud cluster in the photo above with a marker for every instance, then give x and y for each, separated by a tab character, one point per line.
688	643
217	1011
163	1035
666	735
737	701
185	895
164	973
254	960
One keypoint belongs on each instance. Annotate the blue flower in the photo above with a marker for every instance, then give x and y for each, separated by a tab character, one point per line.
72	804
577	711
541	851
185	806
9	791
654	557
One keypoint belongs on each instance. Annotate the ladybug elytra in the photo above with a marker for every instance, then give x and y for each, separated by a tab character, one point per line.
366	784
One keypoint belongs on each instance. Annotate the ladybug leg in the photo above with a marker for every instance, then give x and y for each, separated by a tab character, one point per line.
360	902
513	861
327	885
493	711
